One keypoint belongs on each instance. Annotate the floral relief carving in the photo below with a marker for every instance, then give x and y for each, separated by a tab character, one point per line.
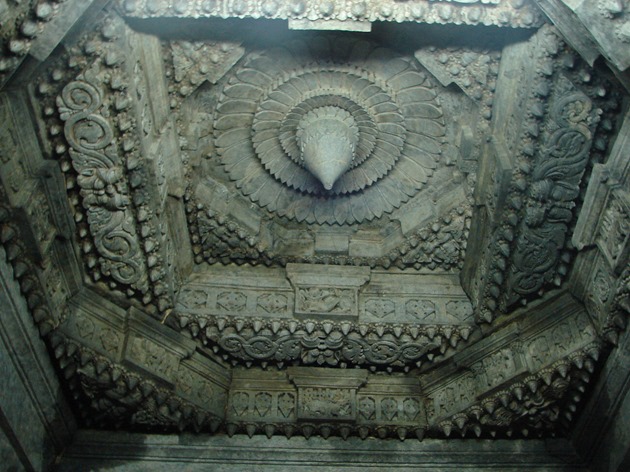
193	299
272	303
379	308
262	404
326	300
286	404
152	356
367	408
329	403
240	403
100	177
423	310
411	409
460	310
498	367
389	408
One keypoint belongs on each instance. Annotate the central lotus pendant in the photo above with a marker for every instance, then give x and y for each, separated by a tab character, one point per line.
327	138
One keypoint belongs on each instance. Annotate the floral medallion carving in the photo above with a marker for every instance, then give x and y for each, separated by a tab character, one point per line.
291	117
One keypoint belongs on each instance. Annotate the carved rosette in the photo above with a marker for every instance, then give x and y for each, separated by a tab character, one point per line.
391	116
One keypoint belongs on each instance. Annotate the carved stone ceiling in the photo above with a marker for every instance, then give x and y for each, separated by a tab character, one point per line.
390	219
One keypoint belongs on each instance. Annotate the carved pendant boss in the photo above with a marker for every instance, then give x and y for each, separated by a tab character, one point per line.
330	131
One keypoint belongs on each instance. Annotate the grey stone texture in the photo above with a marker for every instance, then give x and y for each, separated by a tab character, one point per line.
345	234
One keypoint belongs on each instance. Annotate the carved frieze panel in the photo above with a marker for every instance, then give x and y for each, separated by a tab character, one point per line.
21	23
15	173
127	368
347	15
614	232
327	395
101	178
536	406
360	266
549	148
266	397
96	323
525	383
113	395
19	168
225	235
556	177
257	316
547	347
325	402
155	348
329	291
99	117
390	298
393	400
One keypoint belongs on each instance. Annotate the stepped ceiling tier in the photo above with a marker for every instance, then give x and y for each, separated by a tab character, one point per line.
391	218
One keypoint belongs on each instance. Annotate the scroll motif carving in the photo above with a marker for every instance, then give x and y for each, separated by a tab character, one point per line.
103	188
347	14
327	349
555	187
441	244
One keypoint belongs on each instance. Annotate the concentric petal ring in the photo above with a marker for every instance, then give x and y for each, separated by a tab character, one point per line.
395	108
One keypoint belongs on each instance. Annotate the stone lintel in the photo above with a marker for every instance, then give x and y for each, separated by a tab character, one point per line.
321	377
330	25
154	347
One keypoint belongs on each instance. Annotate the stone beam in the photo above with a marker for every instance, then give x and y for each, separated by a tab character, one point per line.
347	15
604	225
548	352
34	30
601	433
593	30
121	452
35	422
358	316
125	368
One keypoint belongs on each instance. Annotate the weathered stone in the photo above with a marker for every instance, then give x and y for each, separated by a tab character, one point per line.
430	230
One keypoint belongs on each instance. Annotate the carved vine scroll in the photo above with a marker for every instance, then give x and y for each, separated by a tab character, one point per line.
101	178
